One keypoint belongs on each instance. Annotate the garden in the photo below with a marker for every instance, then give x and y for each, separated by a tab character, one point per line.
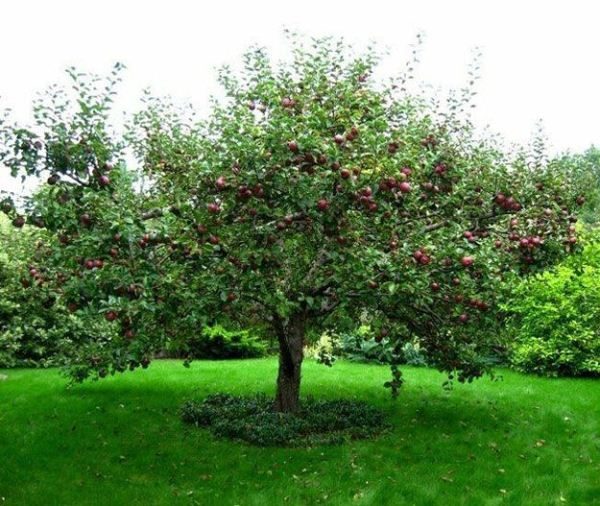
330	289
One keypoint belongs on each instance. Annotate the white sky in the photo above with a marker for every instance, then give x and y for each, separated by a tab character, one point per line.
541	59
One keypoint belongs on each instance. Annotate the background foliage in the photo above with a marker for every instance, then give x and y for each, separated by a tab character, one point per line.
555	317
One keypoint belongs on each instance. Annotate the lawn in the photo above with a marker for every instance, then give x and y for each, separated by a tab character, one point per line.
521	440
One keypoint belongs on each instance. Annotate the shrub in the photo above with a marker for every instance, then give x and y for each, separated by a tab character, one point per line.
363	345
556	320
217	342
253	419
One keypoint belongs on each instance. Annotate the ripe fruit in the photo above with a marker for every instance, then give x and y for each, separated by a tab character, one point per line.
19	221
288	102
104	180
111	316
338	139
467	261
425	260
213	239
463	318
435	287
440	169
114	252
220	183
404	187
98	263
345	173
53	179
85	220
213	208
322	205
231	297
89	264
293	146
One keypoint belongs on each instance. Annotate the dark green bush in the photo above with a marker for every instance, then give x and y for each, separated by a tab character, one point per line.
217	342
253	420
555	318
35	326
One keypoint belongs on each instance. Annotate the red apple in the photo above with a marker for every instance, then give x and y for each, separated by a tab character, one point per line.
213	208
111	316
323	205
220	183
467	261
404	187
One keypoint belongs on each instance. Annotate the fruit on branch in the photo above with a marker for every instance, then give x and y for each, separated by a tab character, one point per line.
19	221
213	208
85	220
111	316
467	261
404	187
322	204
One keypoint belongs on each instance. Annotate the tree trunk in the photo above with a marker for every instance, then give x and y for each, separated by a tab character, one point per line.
291	342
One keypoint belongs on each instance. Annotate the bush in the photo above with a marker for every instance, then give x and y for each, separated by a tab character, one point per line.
217	342
252	419
34	323
556	320
362	346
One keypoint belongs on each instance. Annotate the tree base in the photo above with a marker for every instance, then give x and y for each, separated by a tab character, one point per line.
253	420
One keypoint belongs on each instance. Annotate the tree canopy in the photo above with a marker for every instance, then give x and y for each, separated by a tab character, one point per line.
313	192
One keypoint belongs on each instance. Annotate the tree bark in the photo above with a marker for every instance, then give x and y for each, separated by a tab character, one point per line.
291	342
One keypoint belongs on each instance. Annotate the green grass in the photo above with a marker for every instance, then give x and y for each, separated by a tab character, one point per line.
521	441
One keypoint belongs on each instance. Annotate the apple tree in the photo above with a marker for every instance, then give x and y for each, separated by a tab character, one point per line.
312	193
